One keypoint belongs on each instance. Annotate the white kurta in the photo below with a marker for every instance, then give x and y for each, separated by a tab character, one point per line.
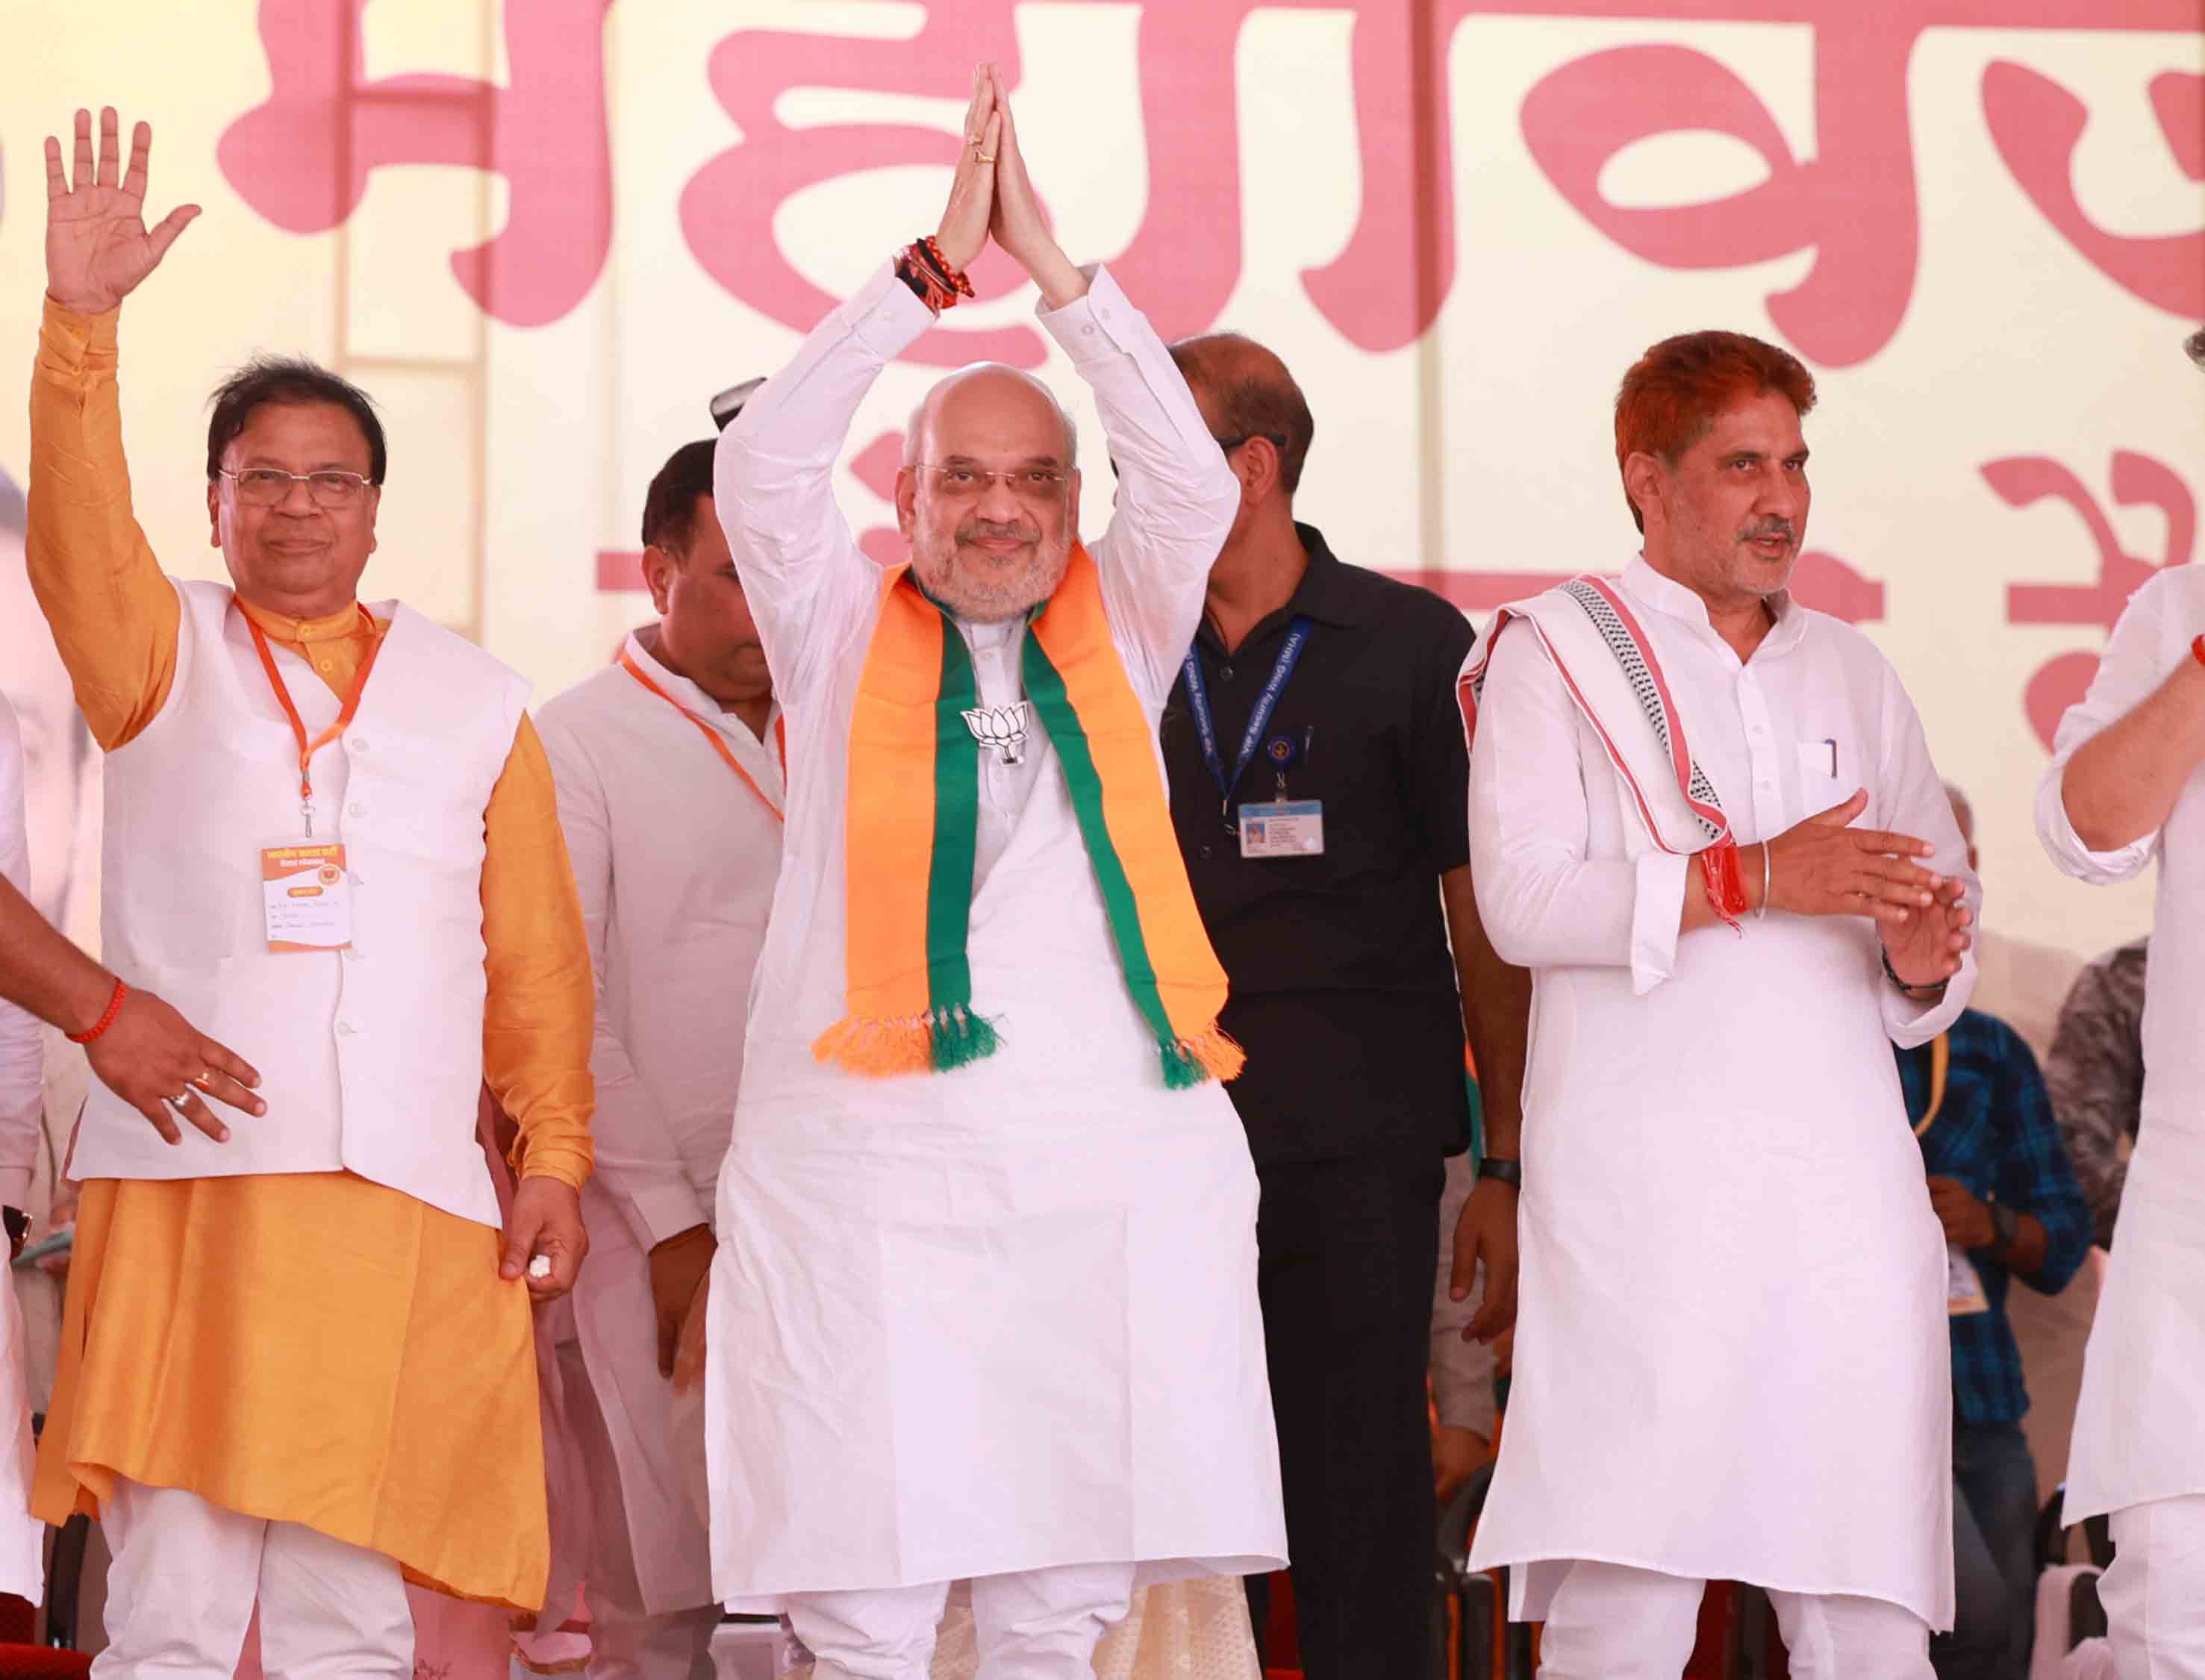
22	1091
1004	1318
1731	1358
675	858
2139	1429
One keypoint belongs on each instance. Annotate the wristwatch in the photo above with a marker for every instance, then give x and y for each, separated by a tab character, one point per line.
2005	1226
1509	1172
17	1223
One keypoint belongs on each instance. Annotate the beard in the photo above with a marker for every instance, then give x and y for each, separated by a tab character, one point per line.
1752	573
981	587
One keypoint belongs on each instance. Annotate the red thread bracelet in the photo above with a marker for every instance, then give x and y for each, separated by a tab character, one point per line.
916	270
1726	881
114	1008
2198	649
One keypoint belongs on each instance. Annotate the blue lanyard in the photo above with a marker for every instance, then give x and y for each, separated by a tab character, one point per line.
1205	724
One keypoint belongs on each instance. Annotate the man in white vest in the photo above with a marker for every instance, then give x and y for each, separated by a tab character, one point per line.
296	1364
2127	789
670	792
1731	1358
983	1307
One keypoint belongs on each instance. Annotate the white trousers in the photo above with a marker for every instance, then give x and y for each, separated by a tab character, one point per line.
628	1644
2154	1593
1610	1622
180	1592
627	1641
1038	1624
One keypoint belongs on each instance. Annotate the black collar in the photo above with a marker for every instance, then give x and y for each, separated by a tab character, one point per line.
1325	593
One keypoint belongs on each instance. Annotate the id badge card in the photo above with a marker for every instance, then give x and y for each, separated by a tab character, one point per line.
1284	829
306	896
1963	1285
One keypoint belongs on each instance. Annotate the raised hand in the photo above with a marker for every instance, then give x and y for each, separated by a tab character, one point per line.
1825	867
1019	225
963	234
98	245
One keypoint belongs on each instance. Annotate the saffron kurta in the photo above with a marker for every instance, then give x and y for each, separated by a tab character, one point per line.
1005	1317
1732	1357
311	1348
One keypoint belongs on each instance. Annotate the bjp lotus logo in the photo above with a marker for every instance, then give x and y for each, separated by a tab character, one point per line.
1002	728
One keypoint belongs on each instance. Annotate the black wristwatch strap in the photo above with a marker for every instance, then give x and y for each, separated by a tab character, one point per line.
17	1223
1509	1172
2005	1224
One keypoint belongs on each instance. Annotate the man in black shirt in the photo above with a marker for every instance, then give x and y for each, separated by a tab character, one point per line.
1319	778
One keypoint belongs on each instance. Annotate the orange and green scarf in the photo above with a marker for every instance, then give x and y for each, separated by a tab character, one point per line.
914	803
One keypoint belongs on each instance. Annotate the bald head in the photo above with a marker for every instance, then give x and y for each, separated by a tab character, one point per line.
989	496
1244	390
1962	812
989	409
1965	815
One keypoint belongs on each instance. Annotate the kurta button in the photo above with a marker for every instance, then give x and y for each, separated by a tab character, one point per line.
354	809
344	1029
359	743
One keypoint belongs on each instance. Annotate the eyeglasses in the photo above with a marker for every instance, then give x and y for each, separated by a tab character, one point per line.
1028	484
1278	440
266	486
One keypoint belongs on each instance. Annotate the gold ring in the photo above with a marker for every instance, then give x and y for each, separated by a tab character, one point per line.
984	156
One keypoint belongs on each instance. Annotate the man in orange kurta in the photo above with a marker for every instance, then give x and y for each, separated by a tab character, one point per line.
300	1386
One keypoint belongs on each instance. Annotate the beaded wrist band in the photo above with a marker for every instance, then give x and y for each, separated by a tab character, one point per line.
114	1008
923	269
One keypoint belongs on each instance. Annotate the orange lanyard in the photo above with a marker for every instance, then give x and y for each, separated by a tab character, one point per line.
307	749
720	746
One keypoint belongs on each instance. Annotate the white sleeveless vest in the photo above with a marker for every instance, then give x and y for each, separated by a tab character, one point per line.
370	1059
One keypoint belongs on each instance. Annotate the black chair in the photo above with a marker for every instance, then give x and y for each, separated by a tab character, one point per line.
1480	1602
2086	1615
2053	1532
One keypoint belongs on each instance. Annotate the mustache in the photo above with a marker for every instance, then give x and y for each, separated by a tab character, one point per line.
1022	531
1783	528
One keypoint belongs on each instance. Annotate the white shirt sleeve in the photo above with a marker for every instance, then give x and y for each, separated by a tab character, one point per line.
1544	902
639	1159
1910	798
2146	645
1176	497
22	1053
773	479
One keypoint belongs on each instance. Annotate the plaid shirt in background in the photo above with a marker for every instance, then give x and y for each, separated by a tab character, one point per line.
2096	1077
1995	1133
